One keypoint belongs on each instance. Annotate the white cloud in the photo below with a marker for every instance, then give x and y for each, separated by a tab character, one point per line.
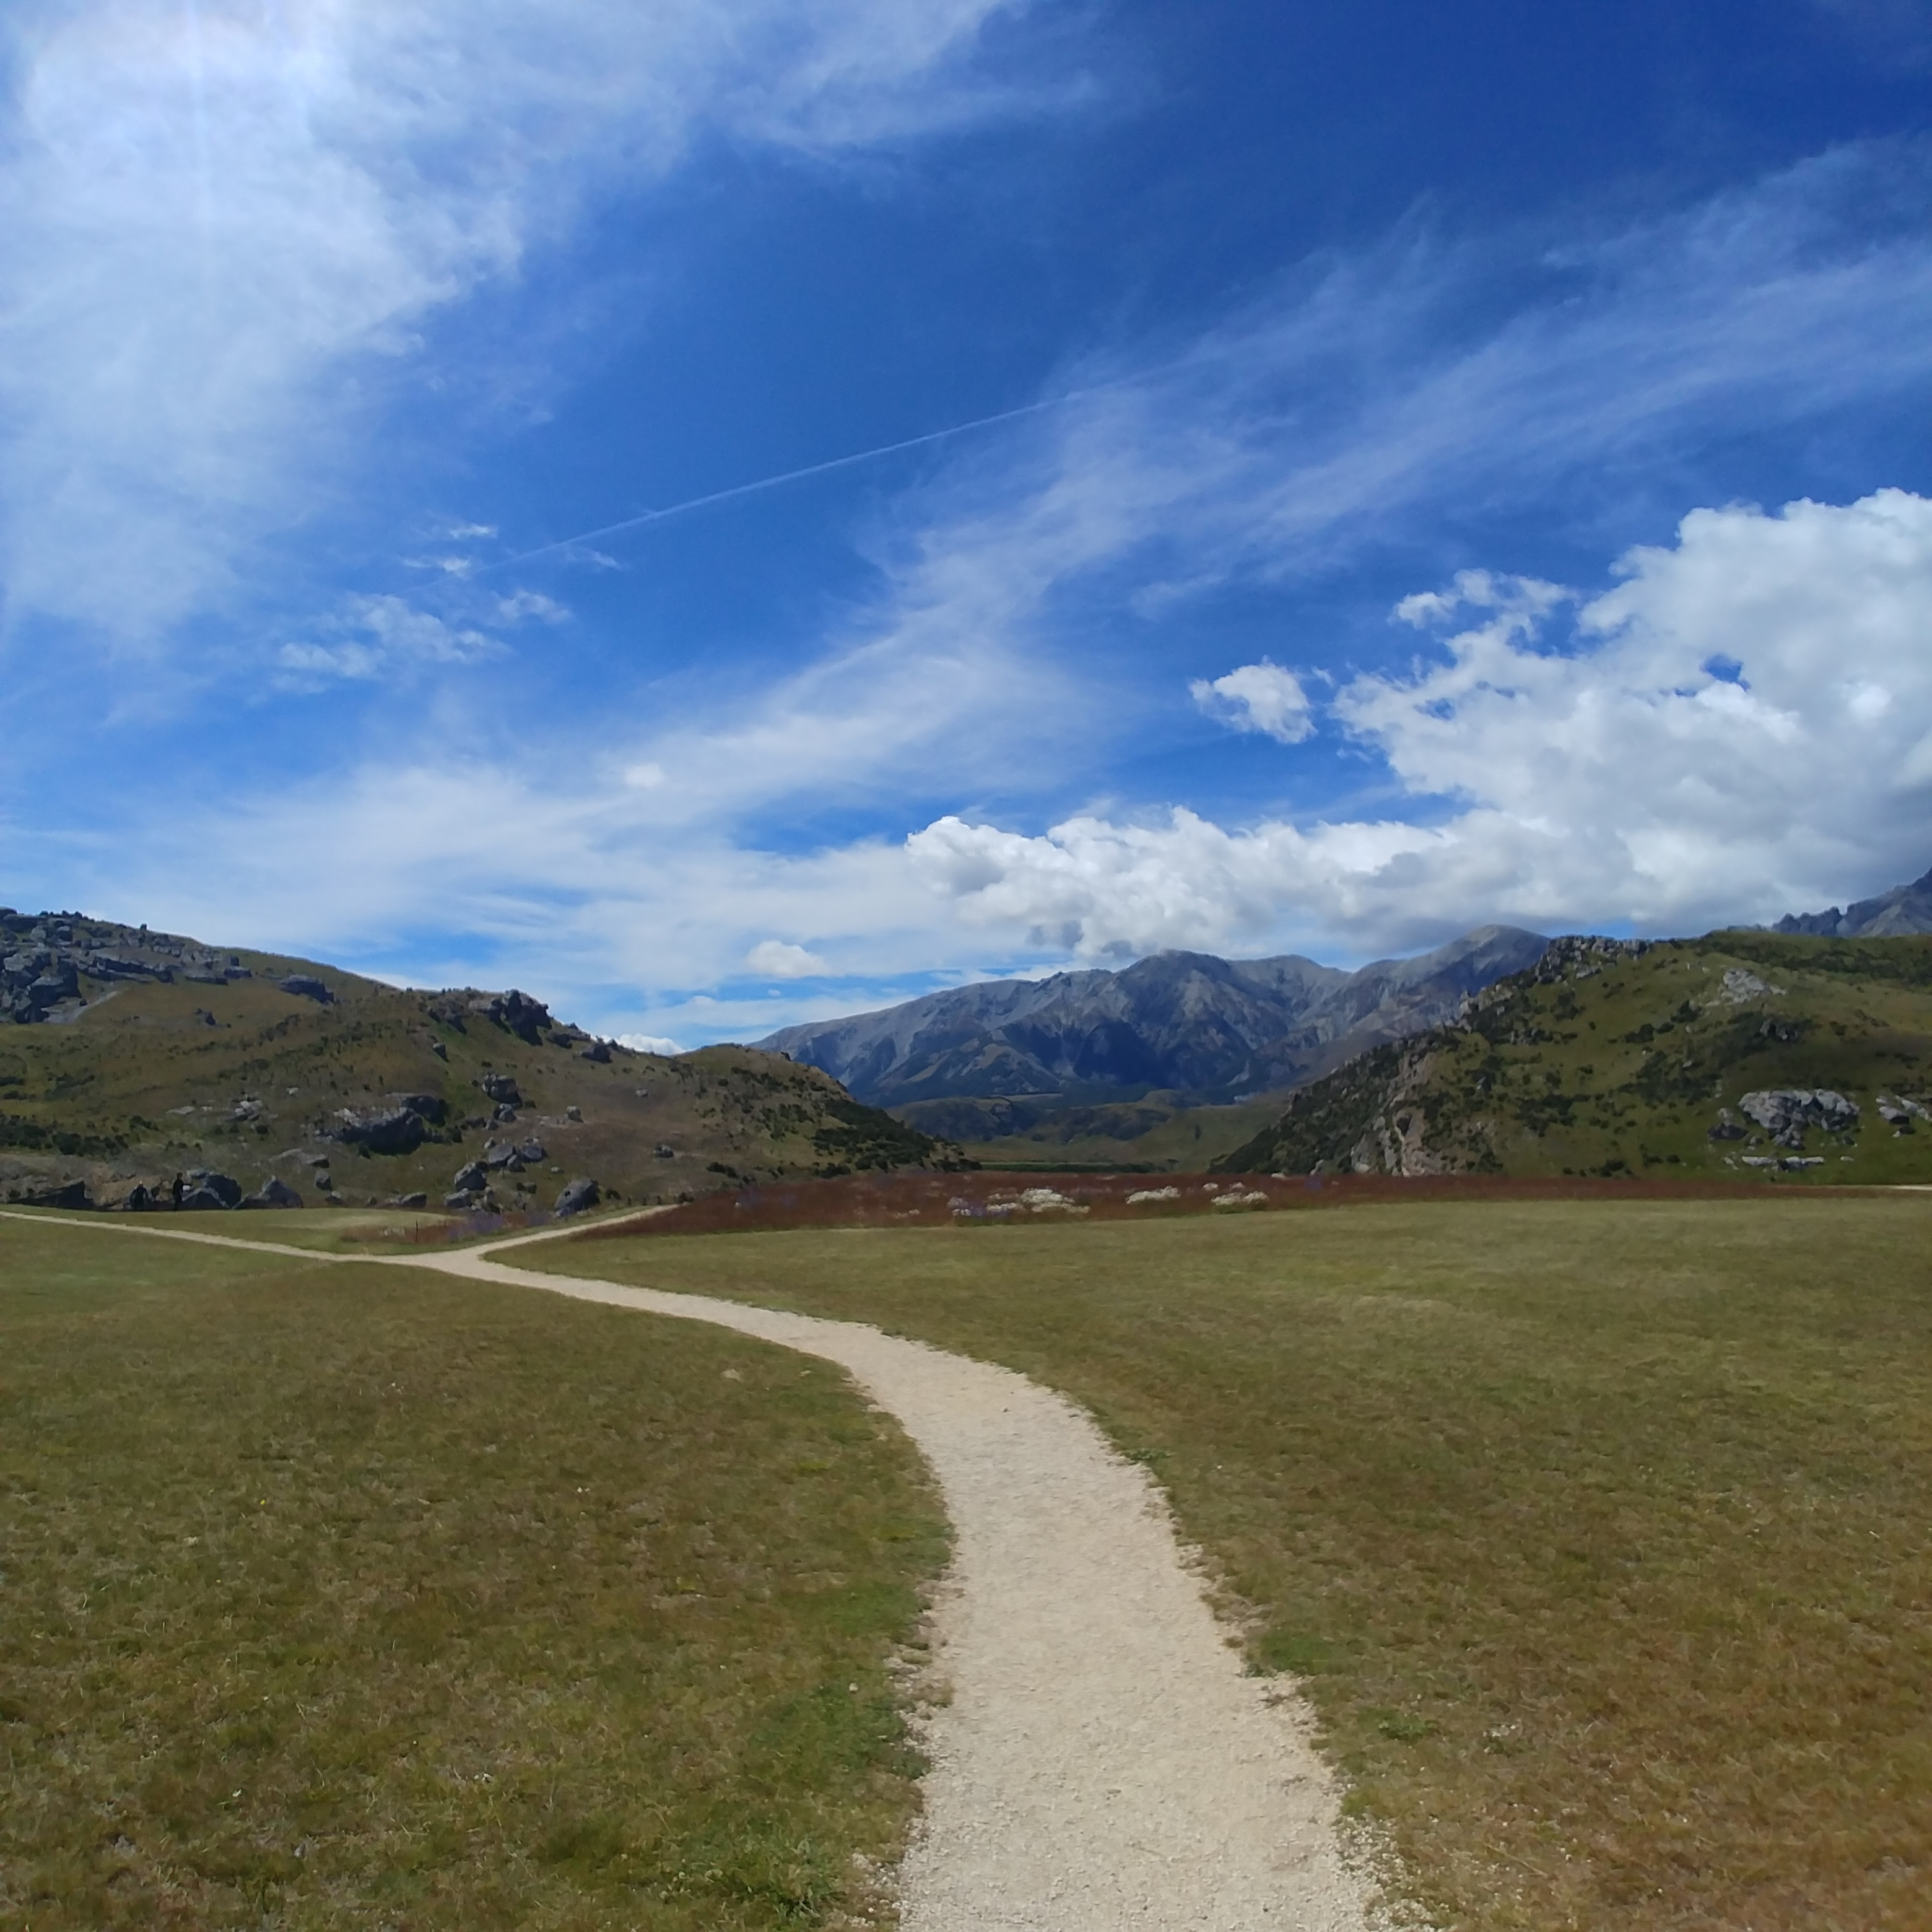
1619	782
524	607
1259	697
777	959
383	635
649	1042
223	219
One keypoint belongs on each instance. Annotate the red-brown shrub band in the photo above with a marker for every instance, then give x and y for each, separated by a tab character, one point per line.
981	1199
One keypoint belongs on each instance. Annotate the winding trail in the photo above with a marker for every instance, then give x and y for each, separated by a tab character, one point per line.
1103	1764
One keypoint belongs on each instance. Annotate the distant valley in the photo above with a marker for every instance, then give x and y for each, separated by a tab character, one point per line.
1177	1057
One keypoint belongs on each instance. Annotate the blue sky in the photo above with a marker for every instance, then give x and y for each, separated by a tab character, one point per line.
1444	465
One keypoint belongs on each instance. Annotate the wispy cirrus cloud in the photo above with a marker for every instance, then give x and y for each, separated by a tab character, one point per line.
223	221
1362	398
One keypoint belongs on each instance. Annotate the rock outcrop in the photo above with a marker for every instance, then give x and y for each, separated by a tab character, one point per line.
273	1193
577	1196
1786	1113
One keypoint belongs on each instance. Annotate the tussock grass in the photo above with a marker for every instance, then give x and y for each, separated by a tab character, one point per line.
338	1596
1598	1532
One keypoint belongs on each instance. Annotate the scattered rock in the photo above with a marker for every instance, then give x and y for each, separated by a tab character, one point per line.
599	1051
471	1179
273	1192
665	1151
577	1196
436	1047
573	1114
531	1152
407	1201
307	986
462	1203
1726	1129
501	1154
503	1089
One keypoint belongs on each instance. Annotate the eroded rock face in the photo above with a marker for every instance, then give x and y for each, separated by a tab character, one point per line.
307	986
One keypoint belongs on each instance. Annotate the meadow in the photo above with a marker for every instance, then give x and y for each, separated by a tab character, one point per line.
350	1595
1597	1531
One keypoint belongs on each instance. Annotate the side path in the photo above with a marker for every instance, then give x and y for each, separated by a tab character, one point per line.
1103	1763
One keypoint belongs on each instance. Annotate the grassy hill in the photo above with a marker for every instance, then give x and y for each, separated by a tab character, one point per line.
140	1055
1616	1057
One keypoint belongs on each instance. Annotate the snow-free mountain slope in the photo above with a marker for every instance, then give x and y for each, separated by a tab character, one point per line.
1185	1023
1905	909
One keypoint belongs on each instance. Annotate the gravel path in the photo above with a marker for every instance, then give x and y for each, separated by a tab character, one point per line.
1103	1764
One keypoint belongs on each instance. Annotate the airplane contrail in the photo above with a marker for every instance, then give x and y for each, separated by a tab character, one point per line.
645	518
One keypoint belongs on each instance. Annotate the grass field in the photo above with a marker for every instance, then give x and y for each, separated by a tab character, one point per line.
339	1596
1599	1531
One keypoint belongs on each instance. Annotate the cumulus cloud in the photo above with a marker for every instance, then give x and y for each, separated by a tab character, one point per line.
223	220
1259	697
1742	725
777	959
649	1042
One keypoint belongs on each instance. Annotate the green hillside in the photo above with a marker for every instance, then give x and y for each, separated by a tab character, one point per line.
137	1056
1620	1057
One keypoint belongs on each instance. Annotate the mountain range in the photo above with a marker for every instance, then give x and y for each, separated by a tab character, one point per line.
1185	1024
1905	909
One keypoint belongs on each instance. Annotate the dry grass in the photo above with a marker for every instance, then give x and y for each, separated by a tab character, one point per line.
354	1597
1598	1530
